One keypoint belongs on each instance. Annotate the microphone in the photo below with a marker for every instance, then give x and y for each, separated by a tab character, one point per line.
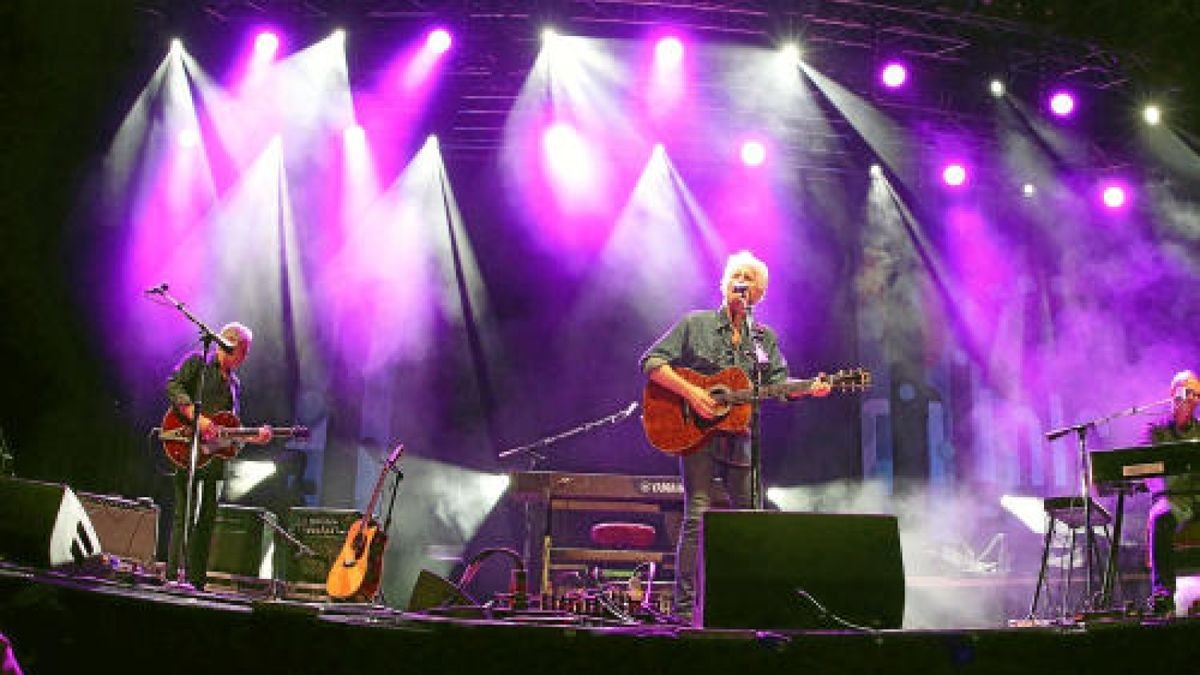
223	343
741	288
157	290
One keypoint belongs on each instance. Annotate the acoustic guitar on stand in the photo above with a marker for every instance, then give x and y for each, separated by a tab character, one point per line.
176	437
358	569
674	428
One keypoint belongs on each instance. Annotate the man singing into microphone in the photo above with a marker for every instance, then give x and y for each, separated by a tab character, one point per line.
222	391
709	341
1176	498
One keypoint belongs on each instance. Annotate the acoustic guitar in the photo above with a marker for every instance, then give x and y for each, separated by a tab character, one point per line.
358	569
674	428
176	437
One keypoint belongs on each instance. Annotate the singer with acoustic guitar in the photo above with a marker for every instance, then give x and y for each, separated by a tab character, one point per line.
707	342
221	394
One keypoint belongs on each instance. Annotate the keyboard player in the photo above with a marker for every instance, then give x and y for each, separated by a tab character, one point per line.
1176	498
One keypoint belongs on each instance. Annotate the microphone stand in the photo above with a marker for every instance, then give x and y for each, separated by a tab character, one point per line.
760	365
207	338
1085	489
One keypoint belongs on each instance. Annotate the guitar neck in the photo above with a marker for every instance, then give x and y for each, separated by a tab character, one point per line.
248	432
769	391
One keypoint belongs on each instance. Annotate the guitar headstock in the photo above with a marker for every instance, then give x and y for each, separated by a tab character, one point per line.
850	379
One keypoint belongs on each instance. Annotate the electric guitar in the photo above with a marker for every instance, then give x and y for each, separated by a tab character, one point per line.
673	427
358	569
176	437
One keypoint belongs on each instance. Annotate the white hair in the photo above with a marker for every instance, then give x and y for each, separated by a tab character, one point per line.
740	259
238	332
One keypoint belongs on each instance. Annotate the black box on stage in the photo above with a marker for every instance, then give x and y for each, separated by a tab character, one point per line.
322	531
243	543
127	528
755	564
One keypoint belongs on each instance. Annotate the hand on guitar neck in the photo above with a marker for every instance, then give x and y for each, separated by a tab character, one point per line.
210	431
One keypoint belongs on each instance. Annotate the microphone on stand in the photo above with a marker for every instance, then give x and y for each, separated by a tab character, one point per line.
157	290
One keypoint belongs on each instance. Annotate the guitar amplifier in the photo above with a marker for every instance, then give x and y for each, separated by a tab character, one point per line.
324	531
128	529
243	544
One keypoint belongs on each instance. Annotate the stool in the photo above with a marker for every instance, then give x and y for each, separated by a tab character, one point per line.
1071	512
623	535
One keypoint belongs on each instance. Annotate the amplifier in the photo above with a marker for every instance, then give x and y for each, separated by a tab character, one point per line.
243	543
128	529
324	531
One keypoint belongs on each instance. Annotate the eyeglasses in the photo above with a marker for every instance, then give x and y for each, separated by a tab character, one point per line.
1185	394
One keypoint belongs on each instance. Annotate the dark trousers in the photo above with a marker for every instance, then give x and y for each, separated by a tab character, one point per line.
1162	526
204	506
700	471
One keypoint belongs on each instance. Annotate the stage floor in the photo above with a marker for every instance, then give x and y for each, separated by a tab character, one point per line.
61	623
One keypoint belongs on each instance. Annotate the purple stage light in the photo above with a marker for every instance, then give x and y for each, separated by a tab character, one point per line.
265	46
893	75
1114	196
754	153
668	53
954	175
438	41
1062	103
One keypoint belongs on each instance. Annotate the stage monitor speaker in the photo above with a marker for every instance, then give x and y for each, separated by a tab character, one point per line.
755	565
43	524
434	592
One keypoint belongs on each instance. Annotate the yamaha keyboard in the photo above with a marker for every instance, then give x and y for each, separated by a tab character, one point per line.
1130	466
546	485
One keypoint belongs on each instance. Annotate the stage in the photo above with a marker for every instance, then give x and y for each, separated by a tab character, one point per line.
60	623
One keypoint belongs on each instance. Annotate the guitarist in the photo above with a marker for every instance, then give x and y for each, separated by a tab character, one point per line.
709	341
222	391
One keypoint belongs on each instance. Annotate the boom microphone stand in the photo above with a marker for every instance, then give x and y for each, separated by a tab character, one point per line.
207	339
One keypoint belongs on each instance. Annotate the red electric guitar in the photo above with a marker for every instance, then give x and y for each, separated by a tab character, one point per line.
176	437
673	427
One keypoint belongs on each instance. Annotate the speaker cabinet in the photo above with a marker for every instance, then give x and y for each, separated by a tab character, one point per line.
44	525
323	531
243	543
760	570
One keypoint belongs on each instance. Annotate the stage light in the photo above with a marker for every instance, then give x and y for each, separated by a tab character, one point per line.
1152	114
1113	196
791	52
876	171
893	75
265	46
438	41
1062	103
176	46
548	34
754	153
189	138
431	143
354	134
997	88
954	175
1028	190
668	53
